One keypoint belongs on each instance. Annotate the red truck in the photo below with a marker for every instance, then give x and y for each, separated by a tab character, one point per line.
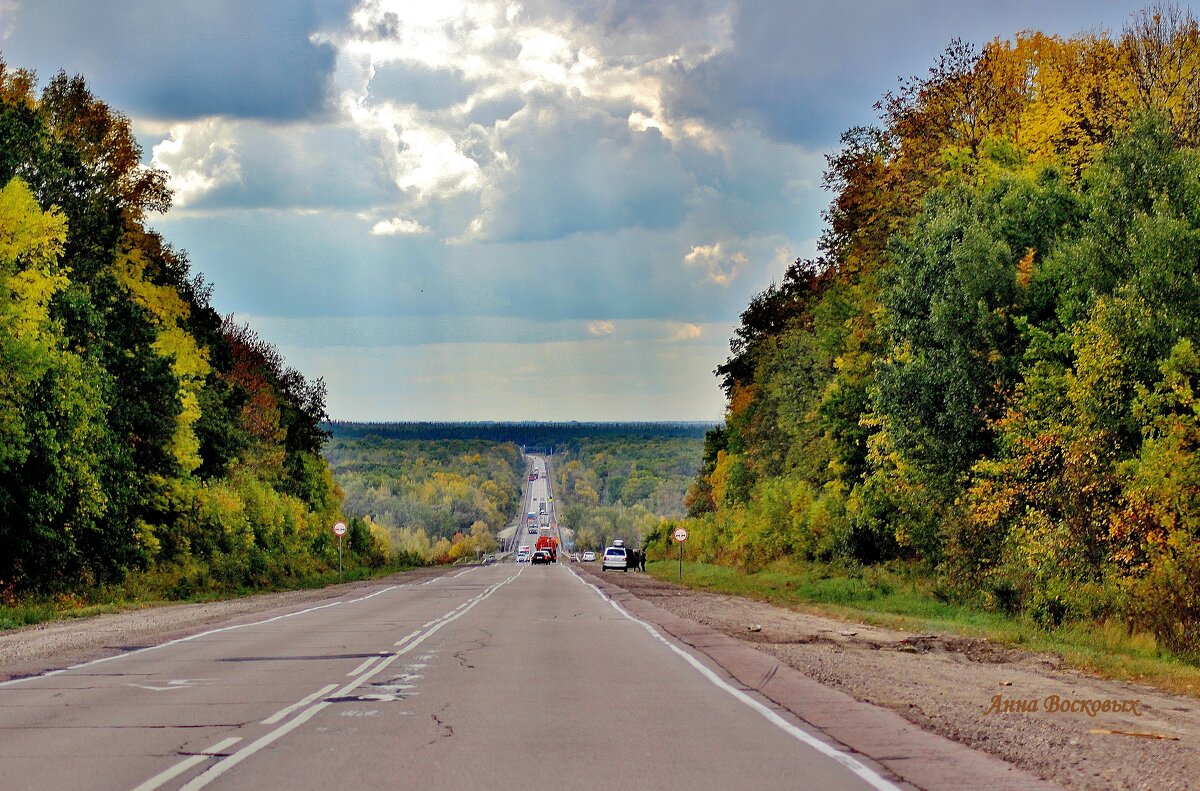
547	542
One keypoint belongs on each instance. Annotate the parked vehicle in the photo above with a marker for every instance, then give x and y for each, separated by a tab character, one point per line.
615	558
589	556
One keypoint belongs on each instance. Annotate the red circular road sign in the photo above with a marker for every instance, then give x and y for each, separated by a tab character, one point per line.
339	529
680	535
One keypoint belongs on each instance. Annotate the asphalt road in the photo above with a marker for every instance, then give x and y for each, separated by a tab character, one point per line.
534	494
498	677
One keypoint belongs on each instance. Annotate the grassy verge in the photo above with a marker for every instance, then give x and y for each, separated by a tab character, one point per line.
155	589
908	602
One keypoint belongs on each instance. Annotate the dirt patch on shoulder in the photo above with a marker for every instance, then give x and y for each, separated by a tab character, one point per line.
1026	708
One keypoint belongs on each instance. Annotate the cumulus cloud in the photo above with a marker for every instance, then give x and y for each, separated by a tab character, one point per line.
600	329
397	227
718	266
550	113
568	170
198	157
216	163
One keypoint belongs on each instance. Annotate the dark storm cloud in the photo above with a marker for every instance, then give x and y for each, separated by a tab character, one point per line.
179	59
807	71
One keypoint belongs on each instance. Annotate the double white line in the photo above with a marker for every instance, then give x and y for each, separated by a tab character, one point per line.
312	704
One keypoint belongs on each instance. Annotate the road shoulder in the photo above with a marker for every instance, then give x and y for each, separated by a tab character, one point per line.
940	712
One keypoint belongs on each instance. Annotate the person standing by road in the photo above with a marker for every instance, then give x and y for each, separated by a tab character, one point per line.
641	558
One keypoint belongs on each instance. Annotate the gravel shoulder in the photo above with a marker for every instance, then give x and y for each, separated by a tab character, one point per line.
969	690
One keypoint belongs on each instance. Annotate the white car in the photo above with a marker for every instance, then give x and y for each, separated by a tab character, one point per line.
589	556
615	558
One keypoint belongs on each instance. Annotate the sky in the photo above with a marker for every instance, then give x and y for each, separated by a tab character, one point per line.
495	210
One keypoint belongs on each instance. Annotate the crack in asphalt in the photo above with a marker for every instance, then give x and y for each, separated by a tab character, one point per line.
770	674
480	643
447	730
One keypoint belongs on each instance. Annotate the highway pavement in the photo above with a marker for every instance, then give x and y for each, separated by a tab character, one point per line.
500	677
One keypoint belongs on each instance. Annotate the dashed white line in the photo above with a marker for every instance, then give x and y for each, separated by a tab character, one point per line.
361	668
376	593
410	635
220	768
304	701
186	764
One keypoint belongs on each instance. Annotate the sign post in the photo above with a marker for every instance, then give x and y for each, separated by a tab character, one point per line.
339	530
680	537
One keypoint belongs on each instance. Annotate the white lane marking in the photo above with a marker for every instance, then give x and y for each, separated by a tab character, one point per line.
873	778
365	665
408	637
376	593
177	641
186	764
176	683
304	701
220	768
215	770
459	574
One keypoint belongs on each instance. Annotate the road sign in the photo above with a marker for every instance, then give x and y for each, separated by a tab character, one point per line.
339	530
680	537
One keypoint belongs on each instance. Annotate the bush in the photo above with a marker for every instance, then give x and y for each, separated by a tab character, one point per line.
1167	600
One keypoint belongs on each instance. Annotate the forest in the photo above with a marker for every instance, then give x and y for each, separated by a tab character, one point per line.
441	491
140	432
623	486
437	499
991	373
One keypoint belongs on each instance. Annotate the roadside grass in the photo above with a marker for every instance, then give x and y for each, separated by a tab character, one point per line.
153	589
903	600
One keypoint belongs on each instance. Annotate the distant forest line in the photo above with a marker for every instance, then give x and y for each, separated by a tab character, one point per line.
555	434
